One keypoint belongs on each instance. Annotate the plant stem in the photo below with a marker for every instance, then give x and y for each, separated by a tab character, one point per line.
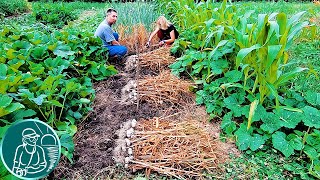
42	114
64	100
305	138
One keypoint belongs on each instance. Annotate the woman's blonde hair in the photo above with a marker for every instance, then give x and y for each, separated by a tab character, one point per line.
163	23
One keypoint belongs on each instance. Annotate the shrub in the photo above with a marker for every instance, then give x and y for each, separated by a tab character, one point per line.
13	7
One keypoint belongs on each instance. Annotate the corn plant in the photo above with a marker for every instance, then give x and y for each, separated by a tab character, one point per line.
263	53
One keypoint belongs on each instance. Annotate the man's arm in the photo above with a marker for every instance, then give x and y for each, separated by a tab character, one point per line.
108	36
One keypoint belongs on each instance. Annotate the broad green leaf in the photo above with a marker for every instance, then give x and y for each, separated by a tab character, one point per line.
3	71
256	141
22	113
232	103
71	86
217	66
36	69
227	124
39	52
67	154
39	100
15	64
233	76
62	125
243	137
290	119
63	50
85	100
77	115
244	52
311	116
280	143
11	54
245	140
11	108
67	142
5	100
271	123
72	130
70	119
55	103
52	63
17	45
295	141
311	152
313	98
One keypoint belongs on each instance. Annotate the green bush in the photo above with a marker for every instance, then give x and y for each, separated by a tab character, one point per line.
14	7
55	14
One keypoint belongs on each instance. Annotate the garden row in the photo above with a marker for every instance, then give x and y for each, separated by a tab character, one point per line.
242	66
49	63
47	74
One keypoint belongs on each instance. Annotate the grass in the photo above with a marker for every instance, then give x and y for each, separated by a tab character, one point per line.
264	165
307	54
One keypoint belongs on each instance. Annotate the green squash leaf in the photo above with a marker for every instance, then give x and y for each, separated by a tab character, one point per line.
271	123
280	143
311	116
290	119
313	98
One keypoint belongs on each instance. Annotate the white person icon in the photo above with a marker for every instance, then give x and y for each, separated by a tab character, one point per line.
29	157
30	149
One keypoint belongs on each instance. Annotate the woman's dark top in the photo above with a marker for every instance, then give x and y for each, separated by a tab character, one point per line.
166	33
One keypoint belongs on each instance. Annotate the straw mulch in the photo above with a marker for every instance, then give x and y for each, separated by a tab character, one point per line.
134	38
180	149
165	88
156	60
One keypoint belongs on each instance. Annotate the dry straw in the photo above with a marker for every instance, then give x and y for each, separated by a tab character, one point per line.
156	60
180	149
134	37
165	88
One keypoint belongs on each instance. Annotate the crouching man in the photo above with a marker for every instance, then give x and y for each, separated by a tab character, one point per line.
109	37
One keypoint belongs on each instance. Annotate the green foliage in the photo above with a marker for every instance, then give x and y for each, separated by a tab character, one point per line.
240	60
49	75
14	7
56	14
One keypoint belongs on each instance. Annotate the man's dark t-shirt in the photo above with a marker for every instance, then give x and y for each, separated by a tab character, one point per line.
166	33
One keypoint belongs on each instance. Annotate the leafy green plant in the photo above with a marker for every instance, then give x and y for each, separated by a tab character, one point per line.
14	7
54	14
242	66
50	75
